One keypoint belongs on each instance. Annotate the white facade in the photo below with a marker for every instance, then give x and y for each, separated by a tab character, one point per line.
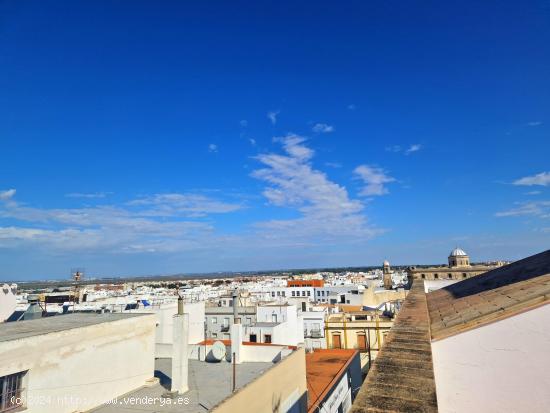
76	368
8	301
498	367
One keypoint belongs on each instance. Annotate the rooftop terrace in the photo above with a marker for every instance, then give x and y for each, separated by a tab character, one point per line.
22	329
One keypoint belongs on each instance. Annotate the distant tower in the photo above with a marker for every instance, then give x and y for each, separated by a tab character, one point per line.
458	258
386	270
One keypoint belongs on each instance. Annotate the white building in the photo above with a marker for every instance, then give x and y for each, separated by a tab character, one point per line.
74	362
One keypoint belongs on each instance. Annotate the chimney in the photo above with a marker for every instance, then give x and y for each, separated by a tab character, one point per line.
236	330
180	356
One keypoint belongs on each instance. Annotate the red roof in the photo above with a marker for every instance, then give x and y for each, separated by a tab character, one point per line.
323	370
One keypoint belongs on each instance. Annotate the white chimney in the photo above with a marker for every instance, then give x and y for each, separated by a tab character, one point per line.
180	356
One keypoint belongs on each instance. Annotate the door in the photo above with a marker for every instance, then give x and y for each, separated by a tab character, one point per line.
336	343
361	341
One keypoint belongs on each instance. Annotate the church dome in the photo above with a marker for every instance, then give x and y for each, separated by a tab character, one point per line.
457	252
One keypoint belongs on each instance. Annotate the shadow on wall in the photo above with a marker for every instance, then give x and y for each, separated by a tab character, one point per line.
299	406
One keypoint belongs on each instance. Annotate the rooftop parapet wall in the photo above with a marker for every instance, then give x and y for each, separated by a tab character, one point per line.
402	378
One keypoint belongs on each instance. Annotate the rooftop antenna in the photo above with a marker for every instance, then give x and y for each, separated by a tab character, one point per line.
77	276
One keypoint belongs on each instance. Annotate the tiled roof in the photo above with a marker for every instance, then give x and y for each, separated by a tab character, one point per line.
401	378
497	294
323	369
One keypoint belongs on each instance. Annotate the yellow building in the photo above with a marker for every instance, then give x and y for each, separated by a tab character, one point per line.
358	330
458	268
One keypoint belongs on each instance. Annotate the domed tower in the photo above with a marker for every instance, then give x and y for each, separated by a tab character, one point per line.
386	270
458	258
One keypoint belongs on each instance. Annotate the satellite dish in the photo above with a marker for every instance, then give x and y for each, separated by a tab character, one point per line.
218	351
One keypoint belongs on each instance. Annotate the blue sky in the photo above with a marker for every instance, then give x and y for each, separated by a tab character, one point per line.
150	138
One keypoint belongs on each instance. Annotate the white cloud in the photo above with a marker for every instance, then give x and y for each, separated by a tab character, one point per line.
243	123
325	208
536	123
374	179
351	107
7	194
322	128
393	148
533	193
88	195
333	164
539	209
272	116
161	222
542	179
212	147
413	148
252	141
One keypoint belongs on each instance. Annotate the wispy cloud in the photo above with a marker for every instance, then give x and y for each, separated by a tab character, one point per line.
322	128
542	179
539	209
413	148
374	179
243	123
161	222
272	116
536	123
7	194
351	107
394	148
88	195
252	141
533	193
212	148
326	210
333	164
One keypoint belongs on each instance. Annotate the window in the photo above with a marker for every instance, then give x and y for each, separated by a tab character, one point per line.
11	388
267	338
309	293
214	335
274	318
248	321
318	292
214	320
273	293
294	293
226	322
423	276
303	293
436	276
450	276
464	275
253	338
361	341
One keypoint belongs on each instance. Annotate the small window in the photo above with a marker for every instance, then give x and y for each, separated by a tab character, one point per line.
11	388
450	276
253	338
464	275
423	276
303	293
274	318
214	320
294	293
436	276
248	321
214	335
309	293
267	338
273	293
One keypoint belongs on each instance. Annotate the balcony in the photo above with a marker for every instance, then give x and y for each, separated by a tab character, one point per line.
313	333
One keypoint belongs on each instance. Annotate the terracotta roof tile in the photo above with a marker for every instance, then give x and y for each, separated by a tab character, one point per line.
497	294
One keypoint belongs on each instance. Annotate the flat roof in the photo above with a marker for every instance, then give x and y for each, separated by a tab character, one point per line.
209	384
323	369
28	328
